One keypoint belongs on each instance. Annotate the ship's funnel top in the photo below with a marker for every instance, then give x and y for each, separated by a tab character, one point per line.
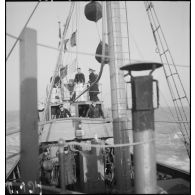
141	66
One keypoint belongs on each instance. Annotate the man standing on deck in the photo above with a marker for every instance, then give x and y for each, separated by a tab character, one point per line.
79	77
94	90
95	111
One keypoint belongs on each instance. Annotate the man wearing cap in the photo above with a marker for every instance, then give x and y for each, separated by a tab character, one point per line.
94	90
63	112
79	77
95	111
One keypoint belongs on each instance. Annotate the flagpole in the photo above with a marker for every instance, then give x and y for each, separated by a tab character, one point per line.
59	58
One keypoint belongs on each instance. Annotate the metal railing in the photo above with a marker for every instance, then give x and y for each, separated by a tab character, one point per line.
63	93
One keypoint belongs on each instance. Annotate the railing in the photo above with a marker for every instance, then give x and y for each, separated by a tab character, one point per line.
63	93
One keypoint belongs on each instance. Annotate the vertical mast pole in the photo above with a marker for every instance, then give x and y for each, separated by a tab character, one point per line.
28	108
59	58
118	99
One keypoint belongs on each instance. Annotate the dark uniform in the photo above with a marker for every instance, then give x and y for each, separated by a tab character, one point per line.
63	113
79	78
95	112
94	90
57	82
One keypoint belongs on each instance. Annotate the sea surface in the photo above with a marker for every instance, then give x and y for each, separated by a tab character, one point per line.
170	149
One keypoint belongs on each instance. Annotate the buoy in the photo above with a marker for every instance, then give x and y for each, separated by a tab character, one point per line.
93	11
99	52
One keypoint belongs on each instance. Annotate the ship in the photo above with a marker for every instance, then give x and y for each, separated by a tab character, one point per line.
93	154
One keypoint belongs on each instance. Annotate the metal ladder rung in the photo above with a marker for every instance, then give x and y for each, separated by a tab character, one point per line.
120	22
171	75
114	17
122	52
122	37
179	98
118	8
116	45
164	52
149	6
156	28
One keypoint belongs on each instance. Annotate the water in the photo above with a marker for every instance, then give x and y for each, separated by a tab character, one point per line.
169	147
12	141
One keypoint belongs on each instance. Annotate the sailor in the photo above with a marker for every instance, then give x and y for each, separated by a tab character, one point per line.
94	90
57	82
95	111
79	77
71	89
63	112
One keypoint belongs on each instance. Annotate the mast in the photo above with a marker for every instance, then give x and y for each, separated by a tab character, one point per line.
59	57
118	98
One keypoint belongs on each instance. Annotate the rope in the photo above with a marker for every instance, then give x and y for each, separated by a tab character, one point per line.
94	145
181	115
22	31
91	54
103	145
112	145
172	121
59	58
12	155
128	31
98	31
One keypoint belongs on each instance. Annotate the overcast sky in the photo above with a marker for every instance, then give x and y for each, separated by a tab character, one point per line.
173	17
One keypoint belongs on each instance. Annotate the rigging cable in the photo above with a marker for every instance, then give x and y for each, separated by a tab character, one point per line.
59	58
175	92
22	31
127	31
178	122
103	56
77	30
91	54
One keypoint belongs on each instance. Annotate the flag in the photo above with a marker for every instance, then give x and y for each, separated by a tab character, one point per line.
59	30
72	67
63	71
65	42
73	39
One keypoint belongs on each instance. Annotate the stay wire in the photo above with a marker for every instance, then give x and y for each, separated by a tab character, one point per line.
22	31
90	54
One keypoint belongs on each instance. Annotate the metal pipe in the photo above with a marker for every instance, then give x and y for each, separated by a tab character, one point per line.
143	130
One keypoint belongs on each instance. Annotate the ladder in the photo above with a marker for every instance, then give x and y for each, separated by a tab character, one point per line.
124	37
176	88
124	34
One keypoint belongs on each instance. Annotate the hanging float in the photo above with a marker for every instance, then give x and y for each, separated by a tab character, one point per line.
99	52
93	11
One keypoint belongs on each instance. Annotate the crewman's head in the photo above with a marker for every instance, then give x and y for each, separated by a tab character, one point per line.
94	103
61	107
79	70
91	70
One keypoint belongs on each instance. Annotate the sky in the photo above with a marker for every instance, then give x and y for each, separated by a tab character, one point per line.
173	17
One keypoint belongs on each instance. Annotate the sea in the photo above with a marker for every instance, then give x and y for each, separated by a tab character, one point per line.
170	148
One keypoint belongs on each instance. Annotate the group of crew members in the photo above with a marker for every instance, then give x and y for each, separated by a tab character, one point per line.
74	88
80	79
94	111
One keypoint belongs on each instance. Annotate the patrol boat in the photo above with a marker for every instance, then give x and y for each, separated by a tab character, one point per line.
92	155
